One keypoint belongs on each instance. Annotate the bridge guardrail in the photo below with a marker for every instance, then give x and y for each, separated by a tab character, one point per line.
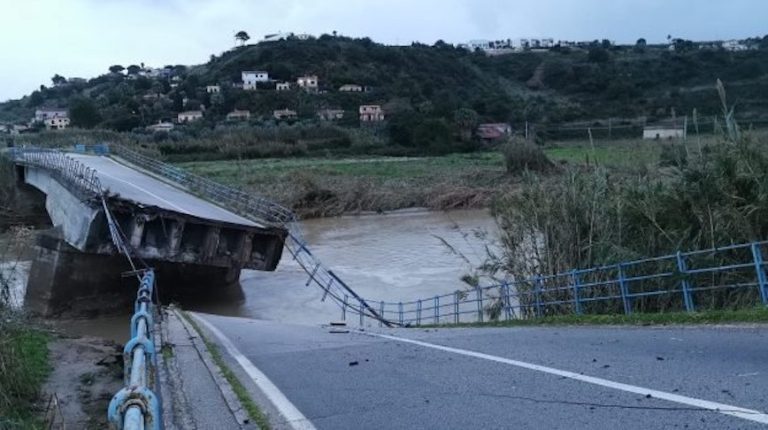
81	178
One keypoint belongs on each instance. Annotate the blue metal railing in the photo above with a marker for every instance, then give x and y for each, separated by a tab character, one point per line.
716	278
136	406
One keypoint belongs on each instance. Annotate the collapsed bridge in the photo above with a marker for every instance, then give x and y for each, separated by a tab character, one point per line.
196	246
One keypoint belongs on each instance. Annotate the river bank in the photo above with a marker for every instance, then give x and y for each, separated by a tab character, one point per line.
321	187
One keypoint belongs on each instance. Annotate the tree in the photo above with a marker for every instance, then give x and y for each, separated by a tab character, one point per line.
640	45
242	37
57	79
133	69
83	113
116	68
466	120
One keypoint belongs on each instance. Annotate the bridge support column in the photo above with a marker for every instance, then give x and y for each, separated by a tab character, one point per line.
66	281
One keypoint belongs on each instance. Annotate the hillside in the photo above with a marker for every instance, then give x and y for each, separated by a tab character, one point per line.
431	94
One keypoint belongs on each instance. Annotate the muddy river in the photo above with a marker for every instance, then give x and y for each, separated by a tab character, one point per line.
393	257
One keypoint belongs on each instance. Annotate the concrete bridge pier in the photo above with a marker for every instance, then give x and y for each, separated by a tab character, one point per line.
66	281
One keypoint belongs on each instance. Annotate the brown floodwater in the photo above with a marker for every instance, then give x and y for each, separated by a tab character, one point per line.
394	257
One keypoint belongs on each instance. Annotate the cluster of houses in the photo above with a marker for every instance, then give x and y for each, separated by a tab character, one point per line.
50	118
252	80
727	45
509	44
506	46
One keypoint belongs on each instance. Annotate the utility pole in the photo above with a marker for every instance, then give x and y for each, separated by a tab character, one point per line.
609	128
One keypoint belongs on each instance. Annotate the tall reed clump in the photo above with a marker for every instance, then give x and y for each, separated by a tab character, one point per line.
598	216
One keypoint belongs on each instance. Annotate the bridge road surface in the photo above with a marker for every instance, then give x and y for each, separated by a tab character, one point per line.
136	186
361	381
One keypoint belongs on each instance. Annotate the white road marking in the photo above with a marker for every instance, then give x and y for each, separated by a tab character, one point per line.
290	413
149	193
734	411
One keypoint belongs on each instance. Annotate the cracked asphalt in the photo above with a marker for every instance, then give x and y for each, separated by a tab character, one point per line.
353	380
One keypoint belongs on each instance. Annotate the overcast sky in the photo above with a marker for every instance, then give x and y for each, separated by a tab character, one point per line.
39	38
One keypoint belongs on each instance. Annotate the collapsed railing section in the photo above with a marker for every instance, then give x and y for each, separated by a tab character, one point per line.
260	210
136	406
719	278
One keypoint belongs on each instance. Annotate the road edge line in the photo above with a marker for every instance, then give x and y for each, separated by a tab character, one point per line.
291	415
211	349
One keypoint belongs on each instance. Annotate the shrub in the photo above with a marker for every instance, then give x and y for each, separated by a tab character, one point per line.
521	155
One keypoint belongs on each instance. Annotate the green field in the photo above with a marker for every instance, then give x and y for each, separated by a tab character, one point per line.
255	171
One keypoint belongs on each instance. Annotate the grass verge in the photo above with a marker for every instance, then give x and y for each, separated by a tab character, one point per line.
24	367
257	416
754	315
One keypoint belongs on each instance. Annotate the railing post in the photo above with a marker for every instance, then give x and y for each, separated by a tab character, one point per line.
361	310
400	311
437	309
344	308
686	286
456	307
479	294
507	310
537	295
624	290
576	286
381	312
757	256
418	312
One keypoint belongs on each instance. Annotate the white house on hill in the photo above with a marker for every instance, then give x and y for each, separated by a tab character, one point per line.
251	78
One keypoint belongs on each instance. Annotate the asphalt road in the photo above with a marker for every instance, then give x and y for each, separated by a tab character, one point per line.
138	187
528	378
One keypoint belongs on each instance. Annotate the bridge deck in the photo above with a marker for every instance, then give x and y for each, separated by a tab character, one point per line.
143	189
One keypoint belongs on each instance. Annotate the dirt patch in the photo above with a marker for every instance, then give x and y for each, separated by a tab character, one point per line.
86	373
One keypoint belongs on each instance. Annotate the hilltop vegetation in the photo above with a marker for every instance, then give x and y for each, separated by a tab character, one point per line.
433	96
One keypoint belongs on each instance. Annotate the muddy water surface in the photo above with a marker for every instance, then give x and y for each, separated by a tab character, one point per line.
393	257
